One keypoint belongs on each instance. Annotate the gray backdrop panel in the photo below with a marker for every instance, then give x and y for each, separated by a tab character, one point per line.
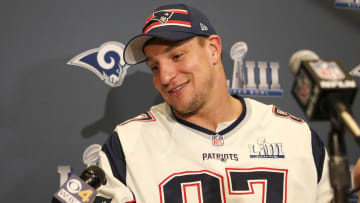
50	112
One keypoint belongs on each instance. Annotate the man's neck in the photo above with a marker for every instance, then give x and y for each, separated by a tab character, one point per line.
215	112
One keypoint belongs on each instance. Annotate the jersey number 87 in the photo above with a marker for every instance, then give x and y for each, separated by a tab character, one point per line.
208	187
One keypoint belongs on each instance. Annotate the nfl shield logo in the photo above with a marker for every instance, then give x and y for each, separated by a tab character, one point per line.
328	70
305	88
218	140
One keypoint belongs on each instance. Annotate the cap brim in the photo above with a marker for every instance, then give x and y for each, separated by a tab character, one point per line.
134	53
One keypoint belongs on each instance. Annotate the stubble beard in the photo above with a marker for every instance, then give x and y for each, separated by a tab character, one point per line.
191	107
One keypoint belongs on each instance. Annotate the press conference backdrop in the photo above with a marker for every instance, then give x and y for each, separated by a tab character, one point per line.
51	111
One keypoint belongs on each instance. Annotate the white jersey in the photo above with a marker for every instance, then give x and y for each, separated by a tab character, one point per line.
264	156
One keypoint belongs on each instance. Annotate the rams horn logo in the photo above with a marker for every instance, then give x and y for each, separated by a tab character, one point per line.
356	71
106	62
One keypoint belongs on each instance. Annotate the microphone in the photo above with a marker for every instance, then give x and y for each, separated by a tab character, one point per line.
324	89
80	189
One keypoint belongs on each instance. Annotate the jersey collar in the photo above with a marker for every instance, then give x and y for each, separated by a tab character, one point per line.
210	132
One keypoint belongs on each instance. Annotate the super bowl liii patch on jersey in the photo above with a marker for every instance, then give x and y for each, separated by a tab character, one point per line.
266	150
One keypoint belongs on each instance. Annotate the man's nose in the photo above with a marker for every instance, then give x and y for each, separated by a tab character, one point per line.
167	73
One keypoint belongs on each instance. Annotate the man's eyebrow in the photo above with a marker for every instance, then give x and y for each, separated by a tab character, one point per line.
147	60
167	49
174	45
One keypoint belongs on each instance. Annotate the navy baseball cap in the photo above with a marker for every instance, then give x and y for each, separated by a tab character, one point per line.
174	22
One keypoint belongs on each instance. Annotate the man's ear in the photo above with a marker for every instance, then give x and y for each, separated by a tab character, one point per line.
215	48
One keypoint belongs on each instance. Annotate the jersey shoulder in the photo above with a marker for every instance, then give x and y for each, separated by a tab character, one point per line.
146	128
270	112
156	115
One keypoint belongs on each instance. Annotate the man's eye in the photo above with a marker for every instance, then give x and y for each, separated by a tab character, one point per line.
177	56
154	68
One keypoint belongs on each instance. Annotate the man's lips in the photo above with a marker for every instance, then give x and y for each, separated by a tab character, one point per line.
176	89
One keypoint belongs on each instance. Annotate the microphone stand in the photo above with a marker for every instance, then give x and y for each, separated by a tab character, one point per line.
340	177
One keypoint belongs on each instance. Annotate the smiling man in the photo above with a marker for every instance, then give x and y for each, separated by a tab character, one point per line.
189	75
203	144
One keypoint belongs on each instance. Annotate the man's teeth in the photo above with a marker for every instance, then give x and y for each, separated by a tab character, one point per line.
178	88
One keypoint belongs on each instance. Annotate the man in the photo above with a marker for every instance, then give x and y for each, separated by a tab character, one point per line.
204	145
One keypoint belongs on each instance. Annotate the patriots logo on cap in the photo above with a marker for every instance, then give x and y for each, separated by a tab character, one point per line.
160	18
